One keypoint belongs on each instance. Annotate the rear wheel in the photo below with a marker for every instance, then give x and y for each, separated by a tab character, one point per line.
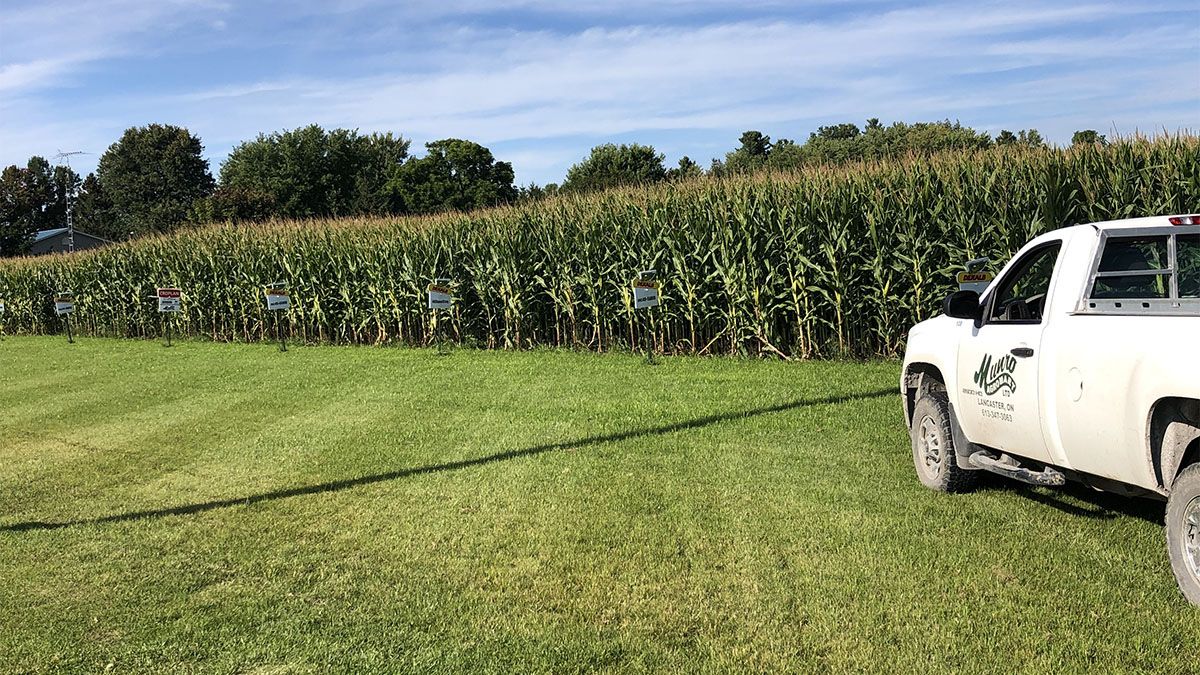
1183	532
933	446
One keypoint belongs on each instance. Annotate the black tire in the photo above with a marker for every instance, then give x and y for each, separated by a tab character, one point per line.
933	446
1183	532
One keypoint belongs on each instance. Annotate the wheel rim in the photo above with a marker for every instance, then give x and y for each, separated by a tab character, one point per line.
1191	536
929	440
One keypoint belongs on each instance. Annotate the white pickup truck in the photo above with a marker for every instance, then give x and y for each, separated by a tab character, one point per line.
1080	361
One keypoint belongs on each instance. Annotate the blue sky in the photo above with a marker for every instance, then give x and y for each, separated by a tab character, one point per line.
542	81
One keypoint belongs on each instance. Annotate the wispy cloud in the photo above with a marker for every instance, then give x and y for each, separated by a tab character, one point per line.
555	76
28	75
43	42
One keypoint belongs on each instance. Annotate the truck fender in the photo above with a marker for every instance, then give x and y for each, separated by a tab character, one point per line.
1174	430
919	378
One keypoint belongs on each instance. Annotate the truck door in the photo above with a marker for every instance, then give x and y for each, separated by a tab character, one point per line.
998	362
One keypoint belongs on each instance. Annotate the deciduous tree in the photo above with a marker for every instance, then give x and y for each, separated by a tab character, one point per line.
1088	137
751	154
152	176
94	211
610	165
309	172
686	169
453	174
32	198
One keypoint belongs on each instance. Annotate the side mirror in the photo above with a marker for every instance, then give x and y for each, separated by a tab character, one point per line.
963	305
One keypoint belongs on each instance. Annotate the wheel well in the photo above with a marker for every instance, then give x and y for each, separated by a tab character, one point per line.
1174	436
1191	456
919	379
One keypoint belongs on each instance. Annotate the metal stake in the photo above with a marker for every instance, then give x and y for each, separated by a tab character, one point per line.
279	329
439	334
646	337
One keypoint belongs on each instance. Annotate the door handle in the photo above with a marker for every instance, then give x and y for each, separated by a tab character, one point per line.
1022	352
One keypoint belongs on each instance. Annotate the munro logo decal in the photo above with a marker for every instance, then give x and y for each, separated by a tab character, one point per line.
996	376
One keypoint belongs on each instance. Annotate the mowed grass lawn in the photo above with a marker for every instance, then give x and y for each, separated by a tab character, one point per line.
225	508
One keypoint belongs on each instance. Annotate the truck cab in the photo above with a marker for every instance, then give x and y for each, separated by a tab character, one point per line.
1079	361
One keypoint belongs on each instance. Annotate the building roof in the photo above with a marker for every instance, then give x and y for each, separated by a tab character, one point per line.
46	234
43	235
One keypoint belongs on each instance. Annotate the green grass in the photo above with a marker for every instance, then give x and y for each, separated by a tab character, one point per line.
226	508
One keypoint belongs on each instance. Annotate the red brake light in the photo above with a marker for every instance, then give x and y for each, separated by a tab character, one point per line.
1184	220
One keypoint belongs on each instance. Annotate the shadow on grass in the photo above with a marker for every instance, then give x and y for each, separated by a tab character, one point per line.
1096	505
338	485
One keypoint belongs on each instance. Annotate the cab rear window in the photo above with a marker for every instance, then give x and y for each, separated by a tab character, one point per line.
1142	267
1135	254
1187	255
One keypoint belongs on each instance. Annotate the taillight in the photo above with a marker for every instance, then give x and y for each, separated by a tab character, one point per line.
1184	220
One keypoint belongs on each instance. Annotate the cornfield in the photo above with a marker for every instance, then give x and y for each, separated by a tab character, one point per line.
823	262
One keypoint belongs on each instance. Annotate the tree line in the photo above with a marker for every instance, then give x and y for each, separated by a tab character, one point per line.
154	179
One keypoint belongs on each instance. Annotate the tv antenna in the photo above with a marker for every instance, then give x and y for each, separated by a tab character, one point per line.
64	158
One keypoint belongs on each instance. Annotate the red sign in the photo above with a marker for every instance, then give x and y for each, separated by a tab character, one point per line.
170	300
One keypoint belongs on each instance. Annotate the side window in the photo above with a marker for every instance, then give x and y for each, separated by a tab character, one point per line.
1021	296
1187	257
1133	267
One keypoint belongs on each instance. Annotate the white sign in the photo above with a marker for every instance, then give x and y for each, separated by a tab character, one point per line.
278	300
64	303
645	294
1	306
974	281
169	299
440	295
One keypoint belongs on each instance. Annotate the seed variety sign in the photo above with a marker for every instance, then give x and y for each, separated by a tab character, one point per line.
278	299
440	294
974	281
645	293
64	303
169	299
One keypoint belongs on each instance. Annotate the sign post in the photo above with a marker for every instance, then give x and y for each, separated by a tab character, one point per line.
440	295
64	304
169	302
645	296
2	318
278	302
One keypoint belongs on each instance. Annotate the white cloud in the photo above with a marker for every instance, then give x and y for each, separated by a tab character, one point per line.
530	85
1016	65
31	74
46	42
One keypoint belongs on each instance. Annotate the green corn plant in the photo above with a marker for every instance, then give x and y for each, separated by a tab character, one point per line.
823	261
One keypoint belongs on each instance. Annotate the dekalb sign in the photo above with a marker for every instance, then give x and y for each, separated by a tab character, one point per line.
645	293
974	281
64	303
278	300
440	294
